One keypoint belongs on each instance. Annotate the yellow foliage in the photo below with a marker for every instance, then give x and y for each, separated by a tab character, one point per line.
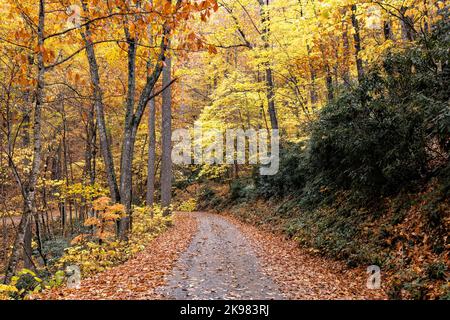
117	210
188	206
6	290
92	221
12	291
93	257
10	213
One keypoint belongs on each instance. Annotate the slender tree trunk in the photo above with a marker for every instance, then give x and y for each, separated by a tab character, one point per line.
99	109
270	90
58	176
27	250
166	139
329	81
313	75
126	181
90	156
126	163
65	166
5	239
271	98
357	40
407	25
90	147
387	30
346	56
151	153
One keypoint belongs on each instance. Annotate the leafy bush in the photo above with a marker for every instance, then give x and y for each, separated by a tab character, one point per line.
53	249
375	173
93	257
291	176
369	147
208	198
242	189
22	284
188	206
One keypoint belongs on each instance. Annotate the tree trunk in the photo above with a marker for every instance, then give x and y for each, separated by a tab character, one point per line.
99	109
271	98
126	162
357	39
90	147
329	81
166	139
407	25
313	75
387	30
151	153
346	57
270	91
27	250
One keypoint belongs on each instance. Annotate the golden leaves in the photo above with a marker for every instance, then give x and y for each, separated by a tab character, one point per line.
101	203
78	239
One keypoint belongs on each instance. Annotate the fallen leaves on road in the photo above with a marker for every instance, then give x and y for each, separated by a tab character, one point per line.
299	273
304	275
138	277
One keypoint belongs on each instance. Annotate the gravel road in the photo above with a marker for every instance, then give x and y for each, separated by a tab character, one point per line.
218	264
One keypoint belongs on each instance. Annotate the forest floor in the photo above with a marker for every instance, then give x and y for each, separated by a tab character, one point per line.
209	256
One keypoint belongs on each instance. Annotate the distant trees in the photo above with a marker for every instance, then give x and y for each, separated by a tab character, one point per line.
298	55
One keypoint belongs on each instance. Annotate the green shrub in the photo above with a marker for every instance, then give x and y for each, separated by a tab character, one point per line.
368	145
291	177
208	199
242	189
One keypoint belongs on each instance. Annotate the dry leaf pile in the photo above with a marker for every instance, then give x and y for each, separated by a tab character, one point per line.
138	277
302	274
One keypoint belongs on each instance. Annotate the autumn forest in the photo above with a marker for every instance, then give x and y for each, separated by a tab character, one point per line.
224	150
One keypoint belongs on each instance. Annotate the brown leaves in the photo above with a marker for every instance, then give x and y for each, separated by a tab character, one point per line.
302	274
138	277
212	49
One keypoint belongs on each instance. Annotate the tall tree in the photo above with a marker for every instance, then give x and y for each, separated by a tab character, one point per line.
99	110
270	86
29	187
166	139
